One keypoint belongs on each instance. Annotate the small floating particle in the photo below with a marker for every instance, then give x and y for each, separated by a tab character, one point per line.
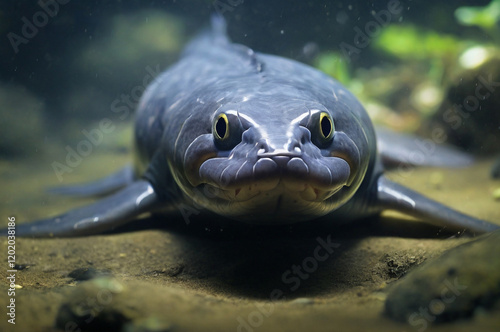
18	286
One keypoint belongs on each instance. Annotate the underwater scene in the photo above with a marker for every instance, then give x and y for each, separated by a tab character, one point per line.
302	166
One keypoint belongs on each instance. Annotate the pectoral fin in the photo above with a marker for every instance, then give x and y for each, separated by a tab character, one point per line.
104	186
402	149
105	214
393	196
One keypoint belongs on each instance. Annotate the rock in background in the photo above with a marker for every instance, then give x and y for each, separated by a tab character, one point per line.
462	282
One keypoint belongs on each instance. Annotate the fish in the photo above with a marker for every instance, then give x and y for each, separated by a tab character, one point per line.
259	139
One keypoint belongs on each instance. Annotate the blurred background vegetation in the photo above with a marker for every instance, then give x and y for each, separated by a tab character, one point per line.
411	75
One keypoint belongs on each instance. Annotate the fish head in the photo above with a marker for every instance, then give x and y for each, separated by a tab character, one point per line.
277	160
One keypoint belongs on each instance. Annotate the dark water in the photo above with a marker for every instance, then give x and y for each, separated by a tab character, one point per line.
68	65
76	53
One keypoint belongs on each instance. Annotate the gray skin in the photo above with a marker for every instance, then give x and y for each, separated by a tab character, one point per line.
259	139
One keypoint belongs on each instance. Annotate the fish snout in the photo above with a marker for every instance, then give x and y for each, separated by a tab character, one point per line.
281	160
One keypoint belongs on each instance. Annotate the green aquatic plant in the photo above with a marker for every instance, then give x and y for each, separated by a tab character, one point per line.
334	65
337	66
435	58
408	42
486	18
412	44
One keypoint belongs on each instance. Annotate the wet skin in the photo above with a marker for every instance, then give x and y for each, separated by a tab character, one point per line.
258	139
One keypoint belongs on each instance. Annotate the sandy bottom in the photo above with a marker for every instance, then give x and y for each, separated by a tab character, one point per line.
181	277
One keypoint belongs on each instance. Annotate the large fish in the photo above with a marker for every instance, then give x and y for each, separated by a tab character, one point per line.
255	138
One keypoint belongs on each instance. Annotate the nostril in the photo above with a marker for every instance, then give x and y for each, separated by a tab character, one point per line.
302	135
262	148
295	146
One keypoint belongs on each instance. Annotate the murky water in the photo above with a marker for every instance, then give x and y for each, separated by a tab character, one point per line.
90	63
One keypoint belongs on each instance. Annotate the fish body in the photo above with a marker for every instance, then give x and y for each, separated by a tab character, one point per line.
254	138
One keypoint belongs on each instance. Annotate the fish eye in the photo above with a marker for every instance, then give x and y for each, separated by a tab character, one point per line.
326	126
322	129
227	130
221	127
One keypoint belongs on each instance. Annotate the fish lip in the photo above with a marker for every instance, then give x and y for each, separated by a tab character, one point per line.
265	173
306	191
279	206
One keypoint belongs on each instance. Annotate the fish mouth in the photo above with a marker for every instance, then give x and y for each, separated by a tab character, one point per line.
279	201
256	183
272	188
287	176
